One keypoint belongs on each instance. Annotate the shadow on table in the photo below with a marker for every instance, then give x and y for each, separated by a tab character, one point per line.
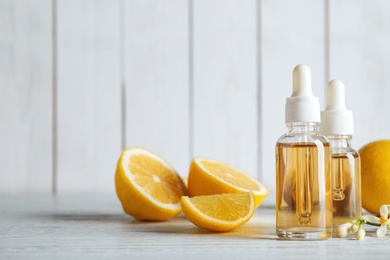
180	225
258	227
86	217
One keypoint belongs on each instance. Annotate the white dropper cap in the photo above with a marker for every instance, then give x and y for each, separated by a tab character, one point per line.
336	119
302	106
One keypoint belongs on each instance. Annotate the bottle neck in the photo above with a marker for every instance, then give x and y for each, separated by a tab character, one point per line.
302	127
340	141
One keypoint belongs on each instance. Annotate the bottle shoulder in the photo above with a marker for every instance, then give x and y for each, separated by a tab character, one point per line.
302	138
342	145
345	151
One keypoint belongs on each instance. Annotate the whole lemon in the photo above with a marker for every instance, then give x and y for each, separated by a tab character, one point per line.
375	173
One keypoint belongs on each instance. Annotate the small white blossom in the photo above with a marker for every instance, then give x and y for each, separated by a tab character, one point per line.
354	228
343	230
360	233
383	220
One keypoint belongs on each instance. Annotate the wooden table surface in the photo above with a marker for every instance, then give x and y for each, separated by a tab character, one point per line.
69	227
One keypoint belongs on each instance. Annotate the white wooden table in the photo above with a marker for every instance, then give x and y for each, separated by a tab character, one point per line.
95	227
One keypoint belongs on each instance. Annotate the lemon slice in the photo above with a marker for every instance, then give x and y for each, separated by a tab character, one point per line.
209	177
221	212
148	187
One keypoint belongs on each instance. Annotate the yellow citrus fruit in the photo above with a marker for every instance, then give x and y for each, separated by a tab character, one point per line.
208	177
375	174
220	212
147	186
185	181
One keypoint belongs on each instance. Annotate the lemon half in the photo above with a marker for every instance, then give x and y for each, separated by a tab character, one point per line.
148	187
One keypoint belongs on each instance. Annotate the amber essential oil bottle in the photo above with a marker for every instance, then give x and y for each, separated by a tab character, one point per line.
337	126
303	179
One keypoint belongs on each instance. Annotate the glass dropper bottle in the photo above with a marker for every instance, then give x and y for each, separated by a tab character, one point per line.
303	180
337	126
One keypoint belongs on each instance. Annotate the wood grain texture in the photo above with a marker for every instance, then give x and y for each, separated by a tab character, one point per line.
225	82
89	112
91	227
26	96
292	33
360	57
157	79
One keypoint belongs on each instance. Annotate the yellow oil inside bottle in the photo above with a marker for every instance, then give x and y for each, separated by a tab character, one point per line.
346	187
303	187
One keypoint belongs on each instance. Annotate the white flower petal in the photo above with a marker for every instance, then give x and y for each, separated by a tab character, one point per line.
381	231
371	218
384	211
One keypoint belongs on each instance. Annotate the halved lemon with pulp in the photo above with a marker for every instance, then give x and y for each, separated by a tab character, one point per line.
208	177
221	212
148	187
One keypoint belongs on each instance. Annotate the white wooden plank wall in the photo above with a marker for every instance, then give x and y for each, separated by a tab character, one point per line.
225	81
80	80
25	96
88	99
